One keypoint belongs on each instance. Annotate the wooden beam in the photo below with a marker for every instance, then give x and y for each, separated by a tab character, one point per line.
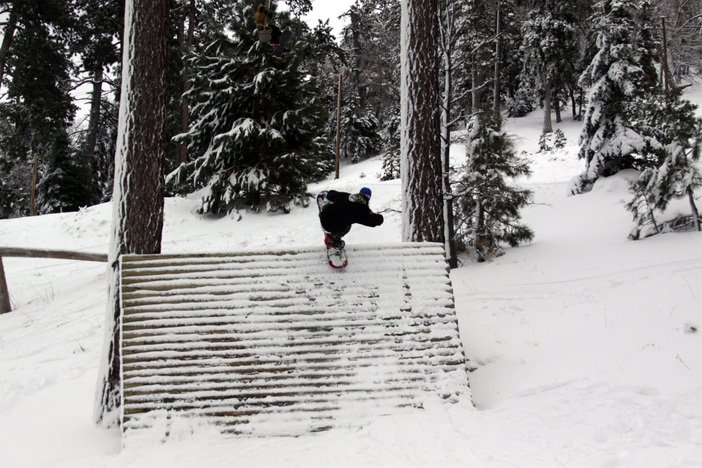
58	254
38	253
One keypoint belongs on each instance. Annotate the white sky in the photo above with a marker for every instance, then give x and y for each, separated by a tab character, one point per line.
329	9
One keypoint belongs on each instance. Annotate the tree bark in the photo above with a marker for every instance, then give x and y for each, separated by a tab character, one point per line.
498	60
7	38
447	29
94	121
548	126
139	178
422	200
5	306
185	105
693	208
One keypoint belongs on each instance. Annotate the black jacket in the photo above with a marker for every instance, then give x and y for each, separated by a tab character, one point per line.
341	213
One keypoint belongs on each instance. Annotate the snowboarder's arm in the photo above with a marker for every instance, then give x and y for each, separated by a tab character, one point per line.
372	219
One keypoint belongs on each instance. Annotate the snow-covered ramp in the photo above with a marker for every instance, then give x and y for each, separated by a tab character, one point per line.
278	343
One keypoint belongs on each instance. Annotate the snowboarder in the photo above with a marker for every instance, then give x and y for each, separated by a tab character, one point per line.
278	38
337	212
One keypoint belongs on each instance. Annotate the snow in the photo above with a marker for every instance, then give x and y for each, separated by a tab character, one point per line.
586	345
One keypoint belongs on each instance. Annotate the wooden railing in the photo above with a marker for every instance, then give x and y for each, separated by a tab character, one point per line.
38	253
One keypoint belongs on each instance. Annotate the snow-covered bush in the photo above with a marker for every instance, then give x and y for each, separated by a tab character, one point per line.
673	144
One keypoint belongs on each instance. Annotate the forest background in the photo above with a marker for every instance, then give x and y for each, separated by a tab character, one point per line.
225	92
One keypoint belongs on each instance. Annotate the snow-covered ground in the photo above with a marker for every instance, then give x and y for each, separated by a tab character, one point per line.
587	345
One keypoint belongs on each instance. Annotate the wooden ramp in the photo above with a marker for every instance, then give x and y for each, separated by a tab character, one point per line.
279	343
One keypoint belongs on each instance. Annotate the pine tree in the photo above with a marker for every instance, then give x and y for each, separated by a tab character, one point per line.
487	205
371	41
619	78
257	130
672	150
549	50
40	109
99	26
360	132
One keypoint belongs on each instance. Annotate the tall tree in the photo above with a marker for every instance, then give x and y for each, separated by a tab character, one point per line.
40	109
138	193
99	27
422	198
371	41
550	52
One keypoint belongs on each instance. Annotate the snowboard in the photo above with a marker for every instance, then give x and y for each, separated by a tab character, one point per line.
322	200
280	48
337	257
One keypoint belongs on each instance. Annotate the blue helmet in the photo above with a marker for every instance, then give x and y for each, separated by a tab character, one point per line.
366	192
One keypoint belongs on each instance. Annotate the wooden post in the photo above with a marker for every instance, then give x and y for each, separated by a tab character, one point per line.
34	185
338	129
4	293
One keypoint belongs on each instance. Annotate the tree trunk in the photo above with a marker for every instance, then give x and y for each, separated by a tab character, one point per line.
557	107
693	208
138	193
479	229
476	78
422	200
94	126
8	33
548	126
447	41
184	104
498	61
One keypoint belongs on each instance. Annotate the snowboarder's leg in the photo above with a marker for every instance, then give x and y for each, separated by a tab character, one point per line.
334	239
275	35
280	48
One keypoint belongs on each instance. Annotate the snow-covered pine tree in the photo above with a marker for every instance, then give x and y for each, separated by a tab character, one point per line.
422	200
487	208
672	149
38	109
139	186
257	123
619	78
391	157
360	131
550	50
